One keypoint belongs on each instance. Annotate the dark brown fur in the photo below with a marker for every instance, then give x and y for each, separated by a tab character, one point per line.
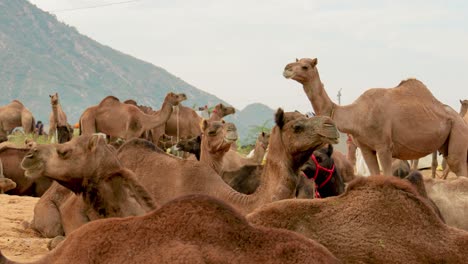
192	229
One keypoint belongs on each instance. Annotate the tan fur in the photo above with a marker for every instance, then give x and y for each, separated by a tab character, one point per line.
5	183
93	185
464	110
57	117
405	122
192	229
451	196
126	121
378	219
291	143
12	115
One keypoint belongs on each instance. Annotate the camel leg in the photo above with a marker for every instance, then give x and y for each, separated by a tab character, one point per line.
434	164
458	151
414	164
371	160
385	158
51	134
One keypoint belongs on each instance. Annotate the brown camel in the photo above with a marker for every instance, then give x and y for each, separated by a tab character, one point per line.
11	156
126	121
185	122
343	165
216	140
451	196
233	160
93	185
221	111
400	168
191	229
5	183
13	115
379	120
58	118
379	219
292	141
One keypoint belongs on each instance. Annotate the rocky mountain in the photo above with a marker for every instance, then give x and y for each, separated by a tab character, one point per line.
40	55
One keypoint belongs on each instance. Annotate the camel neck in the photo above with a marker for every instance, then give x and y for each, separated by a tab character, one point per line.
259	153
159	118
55	112
213	158
216	116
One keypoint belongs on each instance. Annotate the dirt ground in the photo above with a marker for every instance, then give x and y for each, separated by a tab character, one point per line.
23	244
16	242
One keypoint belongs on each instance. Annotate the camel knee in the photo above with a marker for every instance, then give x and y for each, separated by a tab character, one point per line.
54	242
6	185
455	165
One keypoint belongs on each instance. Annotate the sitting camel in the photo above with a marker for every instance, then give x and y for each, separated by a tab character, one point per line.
400	168
11	156
13	115
388	113
233	160
451	197
378	219
292	141
191	229
120	120
93	185
58	121
5	183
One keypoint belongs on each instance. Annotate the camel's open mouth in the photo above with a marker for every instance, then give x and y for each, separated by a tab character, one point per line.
288	74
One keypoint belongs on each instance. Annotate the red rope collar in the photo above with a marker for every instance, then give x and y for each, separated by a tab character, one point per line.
318	167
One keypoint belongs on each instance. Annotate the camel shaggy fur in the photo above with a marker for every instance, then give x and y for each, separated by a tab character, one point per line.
120	120
292	141
378	219
451	197
379	118
11	156
12	115
191	229
93	185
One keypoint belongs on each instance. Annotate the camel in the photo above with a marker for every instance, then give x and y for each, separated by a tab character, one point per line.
58	118
184	122
292	141
191	229
343	165
233	160
379	219
191	145
464	110
11	156
126	121
321	169
5	183
351	151
90	184
379	120
400	168
451	197
216	140
13	115
221	111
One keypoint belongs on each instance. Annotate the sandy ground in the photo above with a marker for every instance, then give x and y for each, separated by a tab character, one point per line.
16	242
23	244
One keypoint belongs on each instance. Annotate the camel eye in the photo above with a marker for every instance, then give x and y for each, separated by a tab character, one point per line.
305	67
63	153
298	128
319	159
212	133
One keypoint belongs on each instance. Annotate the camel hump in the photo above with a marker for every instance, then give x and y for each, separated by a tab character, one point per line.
414	87
15	101
379	181
140	144
109	100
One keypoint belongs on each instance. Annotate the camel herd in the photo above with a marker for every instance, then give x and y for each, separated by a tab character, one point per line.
112	194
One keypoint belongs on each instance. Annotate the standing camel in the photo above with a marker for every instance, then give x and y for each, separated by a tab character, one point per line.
120	120
57	119
406	122
13	115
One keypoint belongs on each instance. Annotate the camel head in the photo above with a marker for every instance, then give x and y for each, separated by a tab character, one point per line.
174	99
191	145
303	70
218	135
71	164
263	139
223	110
300	135
54	99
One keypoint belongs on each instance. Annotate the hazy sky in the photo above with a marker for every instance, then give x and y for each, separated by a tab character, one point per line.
238	49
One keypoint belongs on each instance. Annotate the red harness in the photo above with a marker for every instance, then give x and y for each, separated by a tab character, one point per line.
318	167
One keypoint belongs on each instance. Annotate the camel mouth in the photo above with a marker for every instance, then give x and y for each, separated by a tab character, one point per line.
32	168
230	139
288	74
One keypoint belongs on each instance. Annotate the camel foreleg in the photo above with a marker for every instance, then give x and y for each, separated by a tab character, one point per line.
371	160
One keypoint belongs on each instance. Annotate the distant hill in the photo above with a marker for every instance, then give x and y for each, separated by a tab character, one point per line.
40	55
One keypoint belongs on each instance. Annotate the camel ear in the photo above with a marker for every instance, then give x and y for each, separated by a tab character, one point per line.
94	141
204	124
279	118
263	134
50	95
297	59
314	62
461	102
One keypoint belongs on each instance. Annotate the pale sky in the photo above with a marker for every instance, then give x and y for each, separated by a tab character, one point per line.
237	49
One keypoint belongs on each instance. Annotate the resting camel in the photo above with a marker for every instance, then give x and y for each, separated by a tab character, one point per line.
400	168
191	229
379	219
216	140
120	120
90	184
184	122
292	141
5	183
233	160
11	156
379	120
451	196
13	115
58	119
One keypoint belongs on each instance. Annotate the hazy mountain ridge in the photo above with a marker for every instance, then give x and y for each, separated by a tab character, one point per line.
40	56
